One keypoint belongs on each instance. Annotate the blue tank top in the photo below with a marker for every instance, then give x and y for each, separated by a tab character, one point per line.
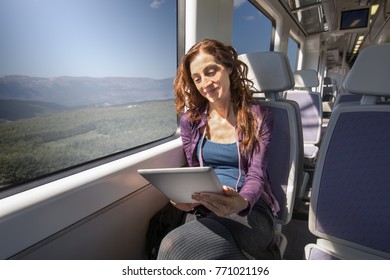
223	158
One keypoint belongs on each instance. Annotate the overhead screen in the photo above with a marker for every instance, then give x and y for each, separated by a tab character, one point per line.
355	20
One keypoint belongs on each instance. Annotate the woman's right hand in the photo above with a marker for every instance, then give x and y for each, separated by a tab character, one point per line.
185	206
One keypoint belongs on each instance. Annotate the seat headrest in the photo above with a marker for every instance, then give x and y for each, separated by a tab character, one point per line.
327	81
306	78
370	73
269	71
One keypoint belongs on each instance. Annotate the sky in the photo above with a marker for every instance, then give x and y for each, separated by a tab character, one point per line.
104	38
95	38
251	29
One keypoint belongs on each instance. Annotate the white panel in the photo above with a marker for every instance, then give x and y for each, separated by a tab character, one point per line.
31	216
209	19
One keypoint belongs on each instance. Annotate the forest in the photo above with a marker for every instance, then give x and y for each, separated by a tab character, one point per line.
41	145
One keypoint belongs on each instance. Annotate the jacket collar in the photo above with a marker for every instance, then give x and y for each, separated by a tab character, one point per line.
203	117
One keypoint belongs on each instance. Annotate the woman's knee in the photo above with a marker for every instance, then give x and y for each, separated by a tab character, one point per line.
169	245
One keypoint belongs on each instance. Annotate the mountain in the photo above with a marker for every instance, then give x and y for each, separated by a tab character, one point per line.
85	91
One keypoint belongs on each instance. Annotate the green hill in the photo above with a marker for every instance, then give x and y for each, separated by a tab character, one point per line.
44	144
13	110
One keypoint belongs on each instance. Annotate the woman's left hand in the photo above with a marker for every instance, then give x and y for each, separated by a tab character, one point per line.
225	204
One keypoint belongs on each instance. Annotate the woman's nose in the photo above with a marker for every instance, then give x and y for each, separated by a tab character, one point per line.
206	82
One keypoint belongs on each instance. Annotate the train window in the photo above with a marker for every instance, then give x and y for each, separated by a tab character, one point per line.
292	53
81	80
252	30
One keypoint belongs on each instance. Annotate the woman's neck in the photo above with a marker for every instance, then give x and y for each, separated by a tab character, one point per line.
225	111
219	116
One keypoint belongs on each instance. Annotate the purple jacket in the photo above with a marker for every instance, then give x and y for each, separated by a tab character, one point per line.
256	183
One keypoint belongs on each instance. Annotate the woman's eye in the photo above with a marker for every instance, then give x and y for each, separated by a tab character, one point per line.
210	73
196	80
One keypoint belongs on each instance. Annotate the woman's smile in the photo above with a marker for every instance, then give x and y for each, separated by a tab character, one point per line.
211	78
212	91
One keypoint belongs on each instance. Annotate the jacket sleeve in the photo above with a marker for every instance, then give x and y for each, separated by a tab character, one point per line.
256	175
187	138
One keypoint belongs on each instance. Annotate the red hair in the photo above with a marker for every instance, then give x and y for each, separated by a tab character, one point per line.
187	95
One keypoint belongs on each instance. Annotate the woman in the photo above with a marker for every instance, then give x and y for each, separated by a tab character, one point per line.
225	128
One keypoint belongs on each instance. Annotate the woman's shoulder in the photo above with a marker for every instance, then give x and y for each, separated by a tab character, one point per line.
259	110
194	118
187	122
264	115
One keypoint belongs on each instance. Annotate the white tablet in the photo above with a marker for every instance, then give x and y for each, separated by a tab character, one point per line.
178	184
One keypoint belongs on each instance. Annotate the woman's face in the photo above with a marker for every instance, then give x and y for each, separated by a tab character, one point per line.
210	78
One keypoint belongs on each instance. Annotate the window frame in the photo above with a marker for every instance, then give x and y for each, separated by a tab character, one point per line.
298	46
56	175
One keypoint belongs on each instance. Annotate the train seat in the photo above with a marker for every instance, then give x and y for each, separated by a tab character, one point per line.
329	89
310	105
346	98
329	93
271	74
349	207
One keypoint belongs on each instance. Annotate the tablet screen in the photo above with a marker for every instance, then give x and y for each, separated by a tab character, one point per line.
178	184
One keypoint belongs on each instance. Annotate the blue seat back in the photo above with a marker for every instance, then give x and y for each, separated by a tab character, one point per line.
351	191
283	157
350	203
311	114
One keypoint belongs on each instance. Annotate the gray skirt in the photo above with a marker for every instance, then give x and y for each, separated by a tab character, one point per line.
204	235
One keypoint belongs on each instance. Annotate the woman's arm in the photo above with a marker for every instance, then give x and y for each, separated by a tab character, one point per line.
188	134
186	127
256	174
